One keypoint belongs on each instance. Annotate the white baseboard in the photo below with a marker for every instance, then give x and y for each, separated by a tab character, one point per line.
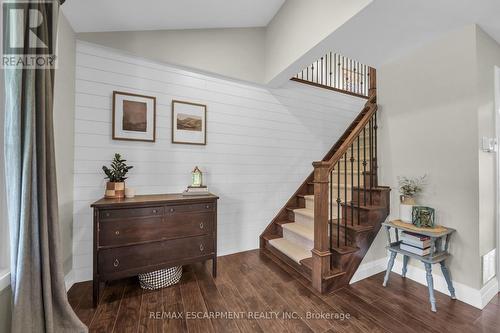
368	269
478	298
489	290
69	279
4	279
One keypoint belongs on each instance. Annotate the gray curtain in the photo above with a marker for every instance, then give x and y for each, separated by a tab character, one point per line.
39	293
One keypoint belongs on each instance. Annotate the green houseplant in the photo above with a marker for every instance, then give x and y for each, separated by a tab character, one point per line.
116	176
409	188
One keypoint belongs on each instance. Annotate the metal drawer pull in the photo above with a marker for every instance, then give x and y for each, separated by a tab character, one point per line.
107	214
154	211
116	263
201	248
117	232
207	206
201	225
172	210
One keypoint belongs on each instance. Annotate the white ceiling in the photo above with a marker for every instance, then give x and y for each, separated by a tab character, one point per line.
133	15
387	29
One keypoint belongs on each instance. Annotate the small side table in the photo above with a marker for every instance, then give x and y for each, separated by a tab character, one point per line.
439	254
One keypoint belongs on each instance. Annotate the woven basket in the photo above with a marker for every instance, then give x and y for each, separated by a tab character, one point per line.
161	278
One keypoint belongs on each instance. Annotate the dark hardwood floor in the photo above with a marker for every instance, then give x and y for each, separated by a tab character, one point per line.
264	296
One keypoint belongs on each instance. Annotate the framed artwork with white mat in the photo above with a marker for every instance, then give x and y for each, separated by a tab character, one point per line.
189	123
134	117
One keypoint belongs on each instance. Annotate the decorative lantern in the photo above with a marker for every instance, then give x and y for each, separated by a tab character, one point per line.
197	178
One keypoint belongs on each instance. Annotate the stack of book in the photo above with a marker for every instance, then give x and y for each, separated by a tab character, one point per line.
196	190
415	243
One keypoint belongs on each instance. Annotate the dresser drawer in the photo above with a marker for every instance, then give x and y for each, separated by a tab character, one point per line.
127	231
201	207
130	213
139	256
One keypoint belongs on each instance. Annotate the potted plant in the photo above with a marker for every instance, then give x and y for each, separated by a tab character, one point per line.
409	188
115	187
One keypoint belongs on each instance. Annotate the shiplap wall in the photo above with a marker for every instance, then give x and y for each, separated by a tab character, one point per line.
260	142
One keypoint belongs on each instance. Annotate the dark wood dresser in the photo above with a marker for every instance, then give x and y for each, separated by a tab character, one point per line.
152	232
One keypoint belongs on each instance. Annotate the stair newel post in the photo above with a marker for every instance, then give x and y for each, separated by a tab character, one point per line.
372	91
321	252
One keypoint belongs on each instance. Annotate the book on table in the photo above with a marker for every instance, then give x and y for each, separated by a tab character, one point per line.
414	239
414	249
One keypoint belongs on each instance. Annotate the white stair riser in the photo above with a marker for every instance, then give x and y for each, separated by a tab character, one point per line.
298	239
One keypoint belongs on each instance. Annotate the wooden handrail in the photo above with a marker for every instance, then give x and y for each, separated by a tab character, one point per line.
367	113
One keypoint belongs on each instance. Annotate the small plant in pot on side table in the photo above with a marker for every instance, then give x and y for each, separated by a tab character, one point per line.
115	187
409	188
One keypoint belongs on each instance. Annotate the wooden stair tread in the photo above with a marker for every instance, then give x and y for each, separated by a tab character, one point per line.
345	249
270	237
281	222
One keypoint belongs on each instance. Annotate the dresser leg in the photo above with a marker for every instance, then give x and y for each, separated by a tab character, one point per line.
446	274
95	296
430	285
214	267
389	268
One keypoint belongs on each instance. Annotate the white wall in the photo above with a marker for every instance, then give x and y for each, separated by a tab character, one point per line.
260	143
235	53
64	115
429	125
296	31
267	55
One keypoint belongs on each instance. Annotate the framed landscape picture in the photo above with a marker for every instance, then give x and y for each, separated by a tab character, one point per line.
134	117
189	123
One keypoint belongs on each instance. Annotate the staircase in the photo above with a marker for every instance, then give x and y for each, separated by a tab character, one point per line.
328	225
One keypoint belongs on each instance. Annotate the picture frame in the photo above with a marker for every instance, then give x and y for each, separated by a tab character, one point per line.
189	123
134	117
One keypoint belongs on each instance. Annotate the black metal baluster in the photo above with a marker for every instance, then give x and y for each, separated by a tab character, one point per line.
338	204
364	165
339	73
375	159
321	70
357	78
345	199
330	241
362	79
370	131
367	81
359	188
317	71
330	69
350	76
352	184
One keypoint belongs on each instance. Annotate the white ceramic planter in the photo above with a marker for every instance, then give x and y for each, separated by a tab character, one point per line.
405	213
